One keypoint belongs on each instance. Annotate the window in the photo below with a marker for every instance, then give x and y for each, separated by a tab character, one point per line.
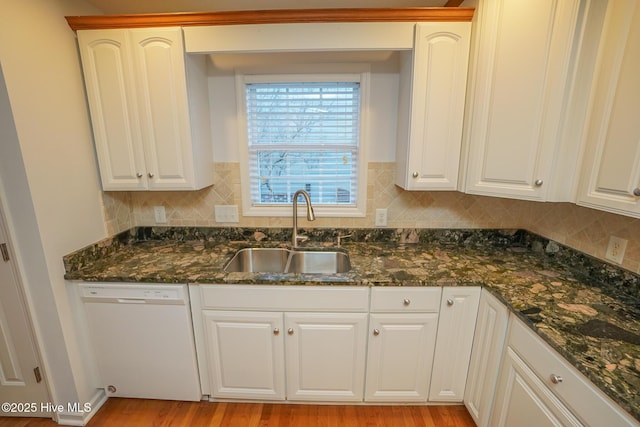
303	132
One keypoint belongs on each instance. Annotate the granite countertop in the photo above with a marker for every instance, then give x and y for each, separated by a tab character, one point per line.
587	310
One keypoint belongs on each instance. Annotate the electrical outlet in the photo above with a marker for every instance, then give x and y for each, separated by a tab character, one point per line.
381	217
226	213
159	214
616	248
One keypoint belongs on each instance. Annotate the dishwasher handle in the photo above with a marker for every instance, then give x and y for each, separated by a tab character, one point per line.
131	301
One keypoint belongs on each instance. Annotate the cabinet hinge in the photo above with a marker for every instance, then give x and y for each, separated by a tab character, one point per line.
5	251
36	372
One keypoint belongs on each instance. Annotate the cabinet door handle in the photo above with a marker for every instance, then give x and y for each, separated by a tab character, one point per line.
415	174
276	331
539	182
139	175
150	174
290	331
406	301
449	302
556	379
636	192
376	332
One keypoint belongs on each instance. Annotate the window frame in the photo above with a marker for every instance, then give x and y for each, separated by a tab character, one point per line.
344	73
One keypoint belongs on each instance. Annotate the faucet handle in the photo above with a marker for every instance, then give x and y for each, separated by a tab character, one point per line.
301	238
340	237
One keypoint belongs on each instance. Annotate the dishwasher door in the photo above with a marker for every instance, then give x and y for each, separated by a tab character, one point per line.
143	340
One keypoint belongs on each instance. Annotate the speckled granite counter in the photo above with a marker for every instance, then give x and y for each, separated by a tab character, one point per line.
589	311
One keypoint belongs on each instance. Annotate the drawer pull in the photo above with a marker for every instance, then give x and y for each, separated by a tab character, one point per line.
406	301
556	379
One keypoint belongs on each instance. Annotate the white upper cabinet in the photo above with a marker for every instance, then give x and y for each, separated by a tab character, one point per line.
433	80
150	123
523	55
611	164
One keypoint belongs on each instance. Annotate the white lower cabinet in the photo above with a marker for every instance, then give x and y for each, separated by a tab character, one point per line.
325	354
402	335
281	342
400	357
246	354
524	400
486	354
538	387
458	312
388	344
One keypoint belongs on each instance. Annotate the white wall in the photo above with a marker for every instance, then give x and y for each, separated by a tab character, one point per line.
49	174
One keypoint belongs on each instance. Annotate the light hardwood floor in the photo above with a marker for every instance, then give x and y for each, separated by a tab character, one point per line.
138	412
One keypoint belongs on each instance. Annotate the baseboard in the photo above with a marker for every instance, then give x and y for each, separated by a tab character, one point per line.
79	414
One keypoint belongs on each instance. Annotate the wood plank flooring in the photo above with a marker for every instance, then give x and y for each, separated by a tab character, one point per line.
138	412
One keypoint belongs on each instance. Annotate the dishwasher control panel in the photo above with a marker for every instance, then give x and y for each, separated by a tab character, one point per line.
169	294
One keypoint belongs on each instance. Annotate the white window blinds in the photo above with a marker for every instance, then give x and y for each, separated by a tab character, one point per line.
303	135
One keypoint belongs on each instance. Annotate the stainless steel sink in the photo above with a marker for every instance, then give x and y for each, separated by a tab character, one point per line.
318	262
258	260
280	260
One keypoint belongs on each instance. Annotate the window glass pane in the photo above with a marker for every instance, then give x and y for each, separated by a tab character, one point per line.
303	135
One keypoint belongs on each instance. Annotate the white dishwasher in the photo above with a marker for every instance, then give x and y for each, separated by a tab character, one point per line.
143	339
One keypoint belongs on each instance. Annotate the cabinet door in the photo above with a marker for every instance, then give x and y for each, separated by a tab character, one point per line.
325	356
400	357
458	312
523	400
430	122
488	343
522	59
246	354
611	174
110	89
159	63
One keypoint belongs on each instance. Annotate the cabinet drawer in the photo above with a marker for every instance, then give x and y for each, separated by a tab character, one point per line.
584	399
285	298
409	299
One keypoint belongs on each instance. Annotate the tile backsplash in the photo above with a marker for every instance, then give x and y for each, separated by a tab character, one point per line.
584	229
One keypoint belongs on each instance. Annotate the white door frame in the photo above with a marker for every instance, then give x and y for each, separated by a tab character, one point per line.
31	395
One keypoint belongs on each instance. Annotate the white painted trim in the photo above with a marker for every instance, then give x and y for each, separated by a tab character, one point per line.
82	418
19	269
299	37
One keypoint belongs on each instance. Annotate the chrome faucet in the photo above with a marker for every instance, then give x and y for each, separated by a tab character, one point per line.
295	238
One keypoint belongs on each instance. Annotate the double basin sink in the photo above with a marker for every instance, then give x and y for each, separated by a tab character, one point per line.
282	260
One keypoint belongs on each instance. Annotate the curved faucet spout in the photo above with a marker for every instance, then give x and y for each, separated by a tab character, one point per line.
311	216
